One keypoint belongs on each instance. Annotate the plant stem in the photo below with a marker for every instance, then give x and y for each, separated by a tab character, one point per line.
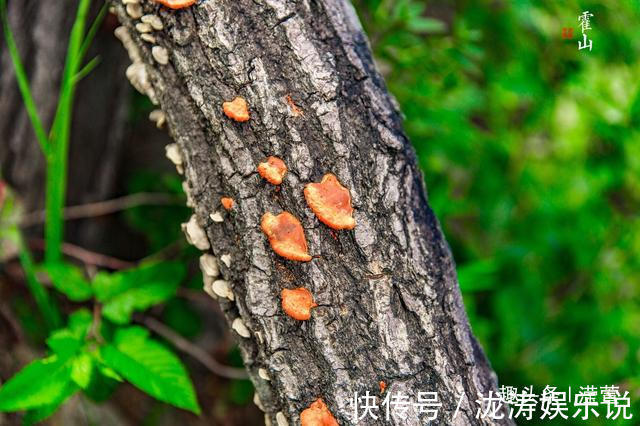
45	305
57	161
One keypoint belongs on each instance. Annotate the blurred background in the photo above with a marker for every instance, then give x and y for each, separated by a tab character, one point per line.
530	149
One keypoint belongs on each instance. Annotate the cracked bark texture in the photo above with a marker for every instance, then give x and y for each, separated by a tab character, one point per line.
390	307
41	29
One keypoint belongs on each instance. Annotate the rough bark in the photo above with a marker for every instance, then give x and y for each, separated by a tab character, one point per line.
41	29
390	307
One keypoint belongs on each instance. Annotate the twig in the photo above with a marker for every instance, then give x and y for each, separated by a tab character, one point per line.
86	256
196	352
102	208
5	311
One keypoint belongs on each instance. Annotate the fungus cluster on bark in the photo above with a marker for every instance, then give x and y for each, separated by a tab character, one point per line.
331	202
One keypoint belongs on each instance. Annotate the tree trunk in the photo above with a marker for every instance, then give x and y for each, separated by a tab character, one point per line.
389	304
41	29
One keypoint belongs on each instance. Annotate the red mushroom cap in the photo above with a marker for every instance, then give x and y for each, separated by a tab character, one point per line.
297	303
331	202
273	170
286	236
176	4
227	203
237	109
317	415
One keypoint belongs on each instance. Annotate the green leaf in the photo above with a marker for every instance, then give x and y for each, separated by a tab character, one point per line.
69	280
80	322
43	382
81	369
137	289
41	413
150	366
64	343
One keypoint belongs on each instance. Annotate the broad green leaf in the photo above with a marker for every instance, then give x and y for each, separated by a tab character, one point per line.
81	369
40	383
80	322
39	414
69	280
64	343
137	289
151	367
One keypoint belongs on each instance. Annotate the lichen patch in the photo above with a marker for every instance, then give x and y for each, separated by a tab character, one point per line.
286	236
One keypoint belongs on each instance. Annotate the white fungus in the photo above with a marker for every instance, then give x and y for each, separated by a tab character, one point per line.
158	116
160	54
209	265
134	10
153	20
148	38
281	419
240	328
175	156
262	372
216	217
256	400
226	259
185	188
222	288
141	27
195	234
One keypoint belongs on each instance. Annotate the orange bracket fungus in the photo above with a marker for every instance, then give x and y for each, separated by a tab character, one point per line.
273	170
286	236
331	202
227	203
176	4
317	415
237	109
297	303
383	386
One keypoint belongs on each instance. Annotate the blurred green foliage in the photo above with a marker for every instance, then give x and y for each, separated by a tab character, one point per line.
531	154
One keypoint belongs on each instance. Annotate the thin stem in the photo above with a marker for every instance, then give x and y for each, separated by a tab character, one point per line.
86	69
47	308
196	352
57	162
23	82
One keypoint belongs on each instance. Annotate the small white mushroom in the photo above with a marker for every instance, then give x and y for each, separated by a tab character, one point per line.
173	153
130	1
160	54
207	286
240	328
195	234
185	188
158	116
137	75
222	288
256	400
141	27
226	259
216	217
153	20
262	372
148	38
209	265
134	10
281	419
259	336
267	420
